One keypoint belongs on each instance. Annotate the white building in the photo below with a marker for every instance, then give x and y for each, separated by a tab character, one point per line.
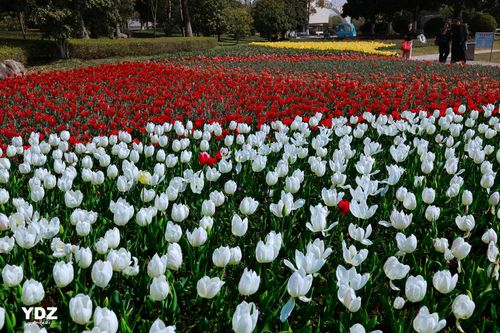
319	19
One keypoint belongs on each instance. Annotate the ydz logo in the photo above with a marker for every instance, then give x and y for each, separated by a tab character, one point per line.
40	313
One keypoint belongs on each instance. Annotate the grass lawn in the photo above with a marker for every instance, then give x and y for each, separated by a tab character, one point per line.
429	47
495	57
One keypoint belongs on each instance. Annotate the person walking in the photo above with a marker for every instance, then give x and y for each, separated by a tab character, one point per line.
458	41
407	44
443	41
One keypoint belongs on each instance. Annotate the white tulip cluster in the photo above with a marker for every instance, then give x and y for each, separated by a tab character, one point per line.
408	185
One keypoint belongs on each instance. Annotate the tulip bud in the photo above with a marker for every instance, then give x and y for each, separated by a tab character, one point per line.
489	236
248	206
209	287
80	309
235	256
460	248
173	232
444	282
221	256
245	318
299	284
428	195
2	310
174	256
465	223
157	266
239	226
102	272
425	322
179	212
105	320
12	275
198	237
63	274
432	213
159	288
32	292
399	303
463	307
249	283
415	288
466	198
494	197
83	257
230	187
160	327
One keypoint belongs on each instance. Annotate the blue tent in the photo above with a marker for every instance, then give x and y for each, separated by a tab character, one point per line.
345	29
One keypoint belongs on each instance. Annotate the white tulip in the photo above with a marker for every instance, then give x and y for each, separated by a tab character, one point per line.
249	283
209	287
444	282
463	307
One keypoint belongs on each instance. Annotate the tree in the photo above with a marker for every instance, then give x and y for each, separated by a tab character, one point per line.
270	17
20	9
55	20
125	12
186	19
368	9
208	16
153	6
238	21
298	14
99	16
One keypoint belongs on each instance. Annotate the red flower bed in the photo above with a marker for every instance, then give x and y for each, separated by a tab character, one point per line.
99	100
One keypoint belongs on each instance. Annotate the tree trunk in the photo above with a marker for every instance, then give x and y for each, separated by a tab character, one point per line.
372	27
154	11
83	30
186	19
63	48
20	18
415	17
306	25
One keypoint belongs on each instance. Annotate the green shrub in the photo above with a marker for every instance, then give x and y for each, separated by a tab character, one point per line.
433	27
483	23
28	51
106	48
15	53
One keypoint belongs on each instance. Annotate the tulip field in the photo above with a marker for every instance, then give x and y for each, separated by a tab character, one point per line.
267	190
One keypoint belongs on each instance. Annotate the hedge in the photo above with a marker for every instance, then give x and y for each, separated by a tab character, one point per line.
16	53
106	48
28	51
36	51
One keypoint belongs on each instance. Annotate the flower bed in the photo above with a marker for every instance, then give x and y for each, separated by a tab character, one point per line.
368	47
255	88
368	222
277	191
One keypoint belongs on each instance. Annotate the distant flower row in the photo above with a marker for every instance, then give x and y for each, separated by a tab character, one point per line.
368	47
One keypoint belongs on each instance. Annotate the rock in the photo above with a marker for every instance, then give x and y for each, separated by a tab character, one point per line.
122	35
15	68
3	71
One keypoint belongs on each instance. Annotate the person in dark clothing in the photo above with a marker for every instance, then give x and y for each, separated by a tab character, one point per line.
408	36
458	41
443	41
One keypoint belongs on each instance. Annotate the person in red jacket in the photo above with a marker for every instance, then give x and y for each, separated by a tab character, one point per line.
408	36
